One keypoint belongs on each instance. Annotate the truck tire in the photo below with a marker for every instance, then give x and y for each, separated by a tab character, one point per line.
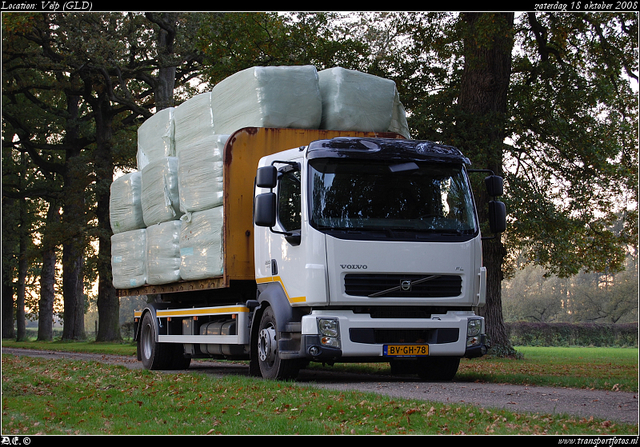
269	361
159	356
438	368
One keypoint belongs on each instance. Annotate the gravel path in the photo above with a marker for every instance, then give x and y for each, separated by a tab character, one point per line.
606	405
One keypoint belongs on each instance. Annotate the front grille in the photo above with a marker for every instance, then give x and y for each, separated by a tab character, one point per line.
416	286
385	336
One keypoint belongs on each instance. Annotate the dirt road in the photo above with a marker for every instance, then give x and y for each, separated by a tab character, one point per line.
606	405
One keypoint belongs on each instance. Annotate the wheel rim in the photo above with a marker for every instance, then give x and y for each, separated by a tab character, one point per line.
267	345
147	341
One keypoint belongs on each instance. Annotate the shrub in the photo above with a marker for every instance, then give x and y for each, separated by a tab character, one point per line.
572	334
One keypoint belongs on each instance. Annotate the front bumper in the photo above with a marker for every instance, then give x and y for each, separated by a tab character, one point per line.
362	338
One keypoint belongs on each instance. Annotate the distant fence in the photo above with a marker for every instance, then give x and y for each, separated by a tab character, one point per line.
572	334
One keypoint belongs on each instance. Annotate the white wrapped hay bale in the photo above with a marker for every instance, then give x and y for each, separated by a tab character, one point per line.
200	180
128	259
156	138
352	100
201	245
163	252
399	118
125	203
193	120
160	196
287	97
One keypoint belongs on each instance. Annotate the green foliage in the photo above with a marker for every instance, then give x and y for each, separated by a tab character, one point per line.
573	154
231	42
570	158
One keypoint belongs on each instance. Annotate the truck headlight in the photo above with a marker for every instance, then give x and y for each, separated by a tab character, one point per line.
474	330
329	330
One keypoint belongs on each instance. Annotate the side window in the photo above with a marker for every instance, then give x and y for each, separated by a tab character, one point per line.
289	201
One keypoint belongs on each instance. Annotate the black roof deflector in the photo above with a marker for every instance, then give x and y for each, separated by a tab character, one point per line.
385	149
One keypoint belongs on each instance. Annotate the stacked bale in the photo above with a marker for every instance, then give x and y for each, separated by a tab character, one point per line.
167	217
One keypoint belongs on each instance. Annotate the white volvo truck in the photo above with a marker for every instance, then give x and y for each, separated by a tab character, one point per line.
338	247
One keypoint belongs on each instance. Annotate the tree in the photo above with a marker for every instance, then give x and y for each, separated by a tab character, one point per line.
47	277
573	128
103	67
38	114
531	296
481	130
125	90
561	125
535	295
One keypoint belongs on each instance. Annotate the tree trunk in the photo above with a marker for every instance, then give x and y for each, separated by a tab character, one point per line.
108	303
74	220
47	295
9	243
22	274
483	105
48	276
21	323
73	290
7	305
165	83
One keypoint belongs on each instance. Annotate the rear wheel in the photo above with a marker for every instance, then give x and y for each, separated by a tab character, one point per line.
159	356
271	365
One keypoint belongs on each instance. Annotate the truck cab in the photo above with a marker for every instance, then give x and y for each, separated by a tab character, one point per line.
368	249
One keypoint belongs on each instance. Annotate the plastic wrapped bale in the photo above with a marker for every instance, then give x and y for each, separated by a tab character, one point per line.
125	203
200	167
163	252
128	259
201	245
160	195
287	97
399	118
352	100
156	138
193	120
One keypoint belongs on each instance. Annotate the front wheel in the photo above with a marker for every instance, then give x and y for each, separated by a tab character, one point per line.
271	365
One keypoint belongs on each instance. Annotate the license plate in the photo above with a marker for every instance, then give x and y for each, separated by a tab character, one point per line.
405	350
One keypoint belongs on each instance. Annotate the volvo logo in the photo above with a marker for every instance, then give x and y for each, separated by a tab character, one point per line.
354	266
405	285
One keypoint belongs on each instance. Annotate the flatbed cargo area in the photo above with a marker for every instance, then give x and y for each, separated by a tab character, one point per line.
243	150
181	286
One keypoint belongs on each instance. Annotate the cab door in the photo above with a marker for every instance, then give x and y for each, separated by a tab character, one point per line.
287	250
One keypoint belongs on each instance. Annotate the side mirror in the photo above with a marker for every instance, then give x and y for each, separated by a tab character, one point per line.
495	185
267	177
264	212
497	217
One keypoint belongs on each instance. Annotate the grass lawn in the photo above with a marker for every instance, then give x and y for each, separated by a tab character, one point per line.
576	367
77	397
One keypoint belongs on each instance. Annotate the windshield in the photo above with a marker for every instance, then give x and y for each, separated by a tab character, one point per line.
392	200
